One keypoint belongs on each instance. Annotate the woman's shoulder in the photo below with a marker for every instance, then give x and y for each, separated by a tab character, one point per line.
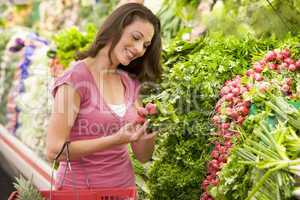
75	76
76	70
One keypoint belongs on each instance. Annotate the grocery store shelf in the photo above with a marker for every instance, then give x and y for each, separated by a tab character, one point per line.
19	159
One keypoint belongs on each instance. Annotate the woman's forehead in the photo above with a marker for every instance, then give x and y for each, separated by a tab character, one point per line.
145	27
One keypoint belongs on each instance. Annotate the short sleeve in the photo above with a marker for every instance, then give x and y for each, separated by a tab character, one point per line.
72	78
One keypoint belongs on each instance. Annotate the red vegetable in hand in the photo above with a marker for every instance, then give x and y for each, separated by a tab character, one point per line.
140	120
142	111
151	108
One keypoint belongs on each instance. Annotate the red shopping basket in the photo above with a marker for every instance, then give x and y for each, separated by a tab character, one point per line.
99	194
83	194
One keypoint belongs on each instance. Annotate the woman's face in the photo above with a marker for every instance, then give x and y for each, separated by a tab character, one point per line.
134	42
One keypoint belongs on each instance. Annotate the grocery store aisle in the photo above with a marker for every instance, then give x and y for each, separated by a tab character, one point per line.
6	186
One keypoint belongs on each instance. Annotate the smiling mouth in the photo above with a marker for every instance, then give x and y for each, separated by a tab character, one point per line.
129	54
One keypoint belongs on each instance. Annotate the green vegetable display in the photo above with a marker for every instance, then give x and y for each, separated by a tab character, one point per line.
69	41
193	75
263	162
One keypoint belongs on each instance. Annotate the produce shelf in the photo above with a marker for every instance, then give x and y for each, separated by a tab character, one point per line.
19	159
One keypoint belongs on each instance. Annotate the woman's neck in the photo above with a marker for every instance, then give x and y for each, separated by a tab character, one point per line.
101	63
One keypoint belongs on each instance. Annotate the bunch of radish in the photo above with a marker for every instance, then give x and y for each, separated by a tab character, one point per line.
274	60
277	61
232	109
219	155
146	113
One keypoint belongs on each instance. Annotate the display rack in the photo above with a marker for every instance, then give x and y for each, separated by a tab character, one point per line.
19	159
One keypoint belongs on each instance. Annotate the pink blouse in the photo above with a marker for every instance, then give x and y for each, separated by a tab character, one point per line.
103	169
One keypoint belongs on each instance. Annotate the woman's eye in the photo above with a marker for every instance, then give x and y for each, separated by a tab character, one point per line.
135	37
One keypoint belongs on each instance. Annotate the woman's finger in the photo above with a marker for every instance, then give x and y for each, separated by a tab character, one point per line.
149	136
141	130
129	127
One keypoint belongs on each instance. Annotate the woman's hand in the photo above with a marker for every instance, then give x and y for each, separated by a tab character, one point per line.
131	132
144	146
146	135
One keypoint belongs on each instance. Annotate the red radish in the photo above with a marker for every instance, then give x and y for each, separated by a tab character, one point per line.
236	91
258	68
225	90
205	184
228	82
234	84
285	88
237	100
244	90
262	62
289	61
258	77
215	163
244	110
222	150
288	81
215	182
297	64
222	159
262	88
225	126
212	169
214	154
216	119
234	115
228	143
229	97
292	67
271	56
250	72
227	135
151	108
228	111
140	119
240	120
218	109
222	100
247	103
285	53
285	65
217	145
237	78
273	66
279	57
142	111
249	86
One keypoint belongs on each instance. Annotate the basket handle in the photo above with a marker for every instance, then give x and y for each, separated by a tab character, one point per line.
61	151
65	146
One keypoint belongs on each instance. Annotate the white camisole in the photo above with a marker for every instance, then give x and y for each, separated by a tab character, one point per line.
119	109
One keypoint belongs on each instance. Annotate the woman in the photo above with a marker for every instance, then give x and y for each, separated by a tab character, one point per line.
95	102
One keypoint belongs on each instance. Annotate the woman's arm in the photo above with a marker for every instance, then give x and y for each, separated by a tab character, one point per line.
65	110
144	147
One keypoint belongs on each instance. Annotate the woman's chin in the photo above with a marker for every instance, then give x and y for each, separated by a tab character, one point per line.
125	62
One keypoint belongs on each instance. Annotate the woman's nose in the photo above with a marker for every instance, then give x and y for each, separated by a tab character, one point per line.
139	48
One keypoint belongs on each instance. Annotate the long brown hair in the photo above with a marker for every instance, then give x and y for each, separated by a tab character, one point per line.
145	68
